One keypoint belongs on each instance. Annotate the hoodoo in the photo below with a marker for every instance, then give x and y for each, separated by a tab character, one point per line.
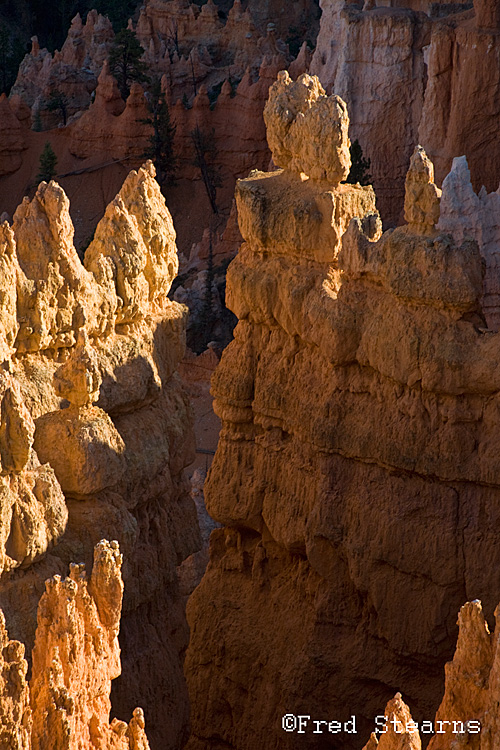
96	429
356	474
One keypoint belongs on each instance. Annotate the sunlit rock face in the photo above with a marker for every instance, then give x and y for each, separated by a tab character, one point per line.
356	475
96	429
65	705
415	72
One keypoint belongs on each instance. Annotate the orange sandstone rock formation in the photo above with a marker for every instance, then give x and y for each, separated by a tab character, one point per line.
96	429
356	473
66	704
382	82
72	72
468	714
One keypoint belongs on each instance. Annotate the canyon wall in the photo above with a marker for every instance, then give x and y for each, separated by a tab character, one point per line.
356	475
405	76
97	428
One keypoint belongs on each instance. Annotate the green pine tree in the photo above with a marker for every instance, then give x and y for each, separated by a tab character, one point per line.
47	164
58	101
161	142
125	61
359	166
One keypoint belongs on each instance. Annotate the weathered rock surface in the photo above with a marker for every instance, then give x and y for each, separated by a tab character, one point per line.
397	732
306	130
96	429
405	76
356	475
66	705
12	140
468	715
422	197
373	59
72	72
15	711
464	214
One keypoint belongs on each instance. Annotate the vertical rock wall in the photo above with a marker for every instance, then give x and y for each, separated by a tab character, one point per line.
356	475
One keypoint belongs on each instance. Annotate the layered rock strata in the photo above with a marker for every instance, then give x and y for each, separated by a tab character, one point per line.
356	474
96	427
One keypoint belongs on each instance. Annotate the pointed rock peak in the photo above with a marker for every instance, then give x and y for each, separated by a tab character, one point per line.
457	186
130	25
422	196
400	732
246	81
91	19
209	9
35	46
235	12
105	72
421	168
226	89
76	22
263	65
302	61
136	96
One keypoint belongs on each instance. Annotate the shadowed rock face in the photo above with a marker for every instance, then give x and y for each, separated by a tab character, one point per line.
356	474
96	430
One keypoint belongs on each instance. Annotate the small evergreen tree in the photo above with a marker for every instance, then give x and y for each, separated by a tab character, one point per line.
359	166
205	152
125	61
58	101
47	164
161	142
